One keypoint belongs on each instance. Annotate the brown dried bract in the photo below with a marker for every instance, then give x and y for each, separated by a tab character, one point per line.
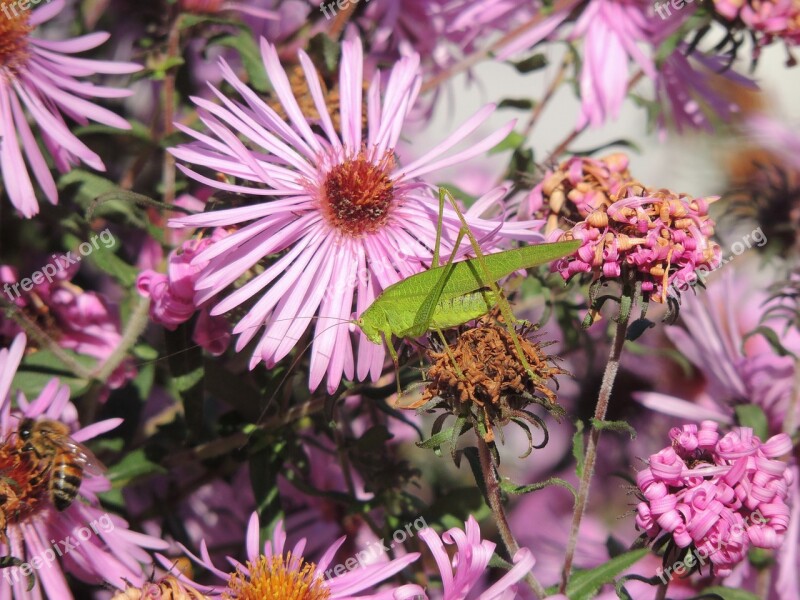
481	373
300	89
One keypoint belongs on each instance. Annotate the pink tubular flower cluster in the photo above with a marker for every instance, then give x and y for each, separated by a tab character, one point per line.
662	236
718	494
773	18
172	294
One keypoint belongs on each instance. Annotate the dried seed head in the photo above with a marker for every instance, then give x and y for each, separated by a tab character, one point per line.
480	375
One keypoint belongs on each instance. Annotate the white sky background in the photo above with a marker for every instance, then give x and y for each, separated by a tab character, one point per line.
687	163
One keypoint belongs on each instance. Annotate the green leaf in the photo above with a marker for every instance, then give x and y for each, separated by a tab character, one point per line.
104	258
438	439
584	585
247	48
510	487
637	328
188	20
133	465
185	359
518	103
326	51
727	593
138	130
511	142
530	64
618	426
620	142
772	338
578	449
38	368
750	415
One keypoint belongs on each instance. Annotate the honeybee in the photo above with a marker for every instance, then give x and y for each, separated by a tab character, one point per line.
168	588
59	457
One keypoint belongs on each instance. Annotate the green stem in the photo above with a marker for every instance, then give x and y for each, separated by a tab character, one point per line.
591	449
494	496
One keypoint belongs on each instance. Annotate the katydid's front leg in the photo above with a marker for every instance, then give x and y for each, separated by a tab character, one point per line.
502	303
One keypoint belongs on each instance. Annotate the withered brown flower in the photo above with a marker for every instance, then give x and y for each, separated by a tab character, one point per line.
479	376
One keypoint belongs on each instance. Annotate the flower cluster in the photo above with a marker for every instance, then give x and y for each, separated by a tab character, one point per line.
719	494
173	298
657	236
772	18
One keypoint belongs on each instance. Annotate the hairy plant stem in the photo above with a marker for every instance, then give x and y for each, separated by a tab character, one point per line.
41	337
494	496
590	456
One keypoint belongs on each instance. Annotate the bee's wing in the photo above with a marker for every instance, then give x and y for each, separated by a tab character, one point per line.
91	464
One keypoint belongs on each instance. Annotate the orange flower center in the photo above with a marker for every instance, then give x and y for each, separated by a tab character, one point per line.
22	484
358	194
275	578
14	30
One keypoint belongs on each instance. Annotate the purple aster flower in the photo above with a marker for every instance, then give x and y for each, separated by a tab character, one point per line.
40	78
463	574
737	371
283	572
688	96
719	495
82	539
349	220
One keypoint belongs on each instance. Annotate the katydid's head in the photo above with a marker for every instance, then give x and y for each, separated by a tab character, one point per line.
373	323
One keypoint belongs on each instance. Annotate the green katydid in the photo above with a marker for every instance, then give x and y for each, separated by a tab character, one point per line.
453	294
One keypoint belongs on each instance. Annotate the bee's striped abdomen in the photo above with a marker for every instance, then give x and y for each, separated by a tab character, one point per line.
65	480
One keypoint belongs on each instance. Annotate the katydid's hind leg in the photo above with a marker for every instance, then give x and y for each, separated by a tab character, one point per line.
508	315
450	355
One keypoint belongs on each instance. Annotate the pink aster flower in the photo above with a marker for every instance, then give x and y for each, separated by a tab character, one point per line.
279	571
720	495
463	575
336	204
82	539
78	320
612	31
39	78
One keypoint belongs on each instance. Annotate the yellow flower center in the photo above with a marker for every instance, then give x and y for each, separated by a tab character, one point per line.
277	579
358	194
14	30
